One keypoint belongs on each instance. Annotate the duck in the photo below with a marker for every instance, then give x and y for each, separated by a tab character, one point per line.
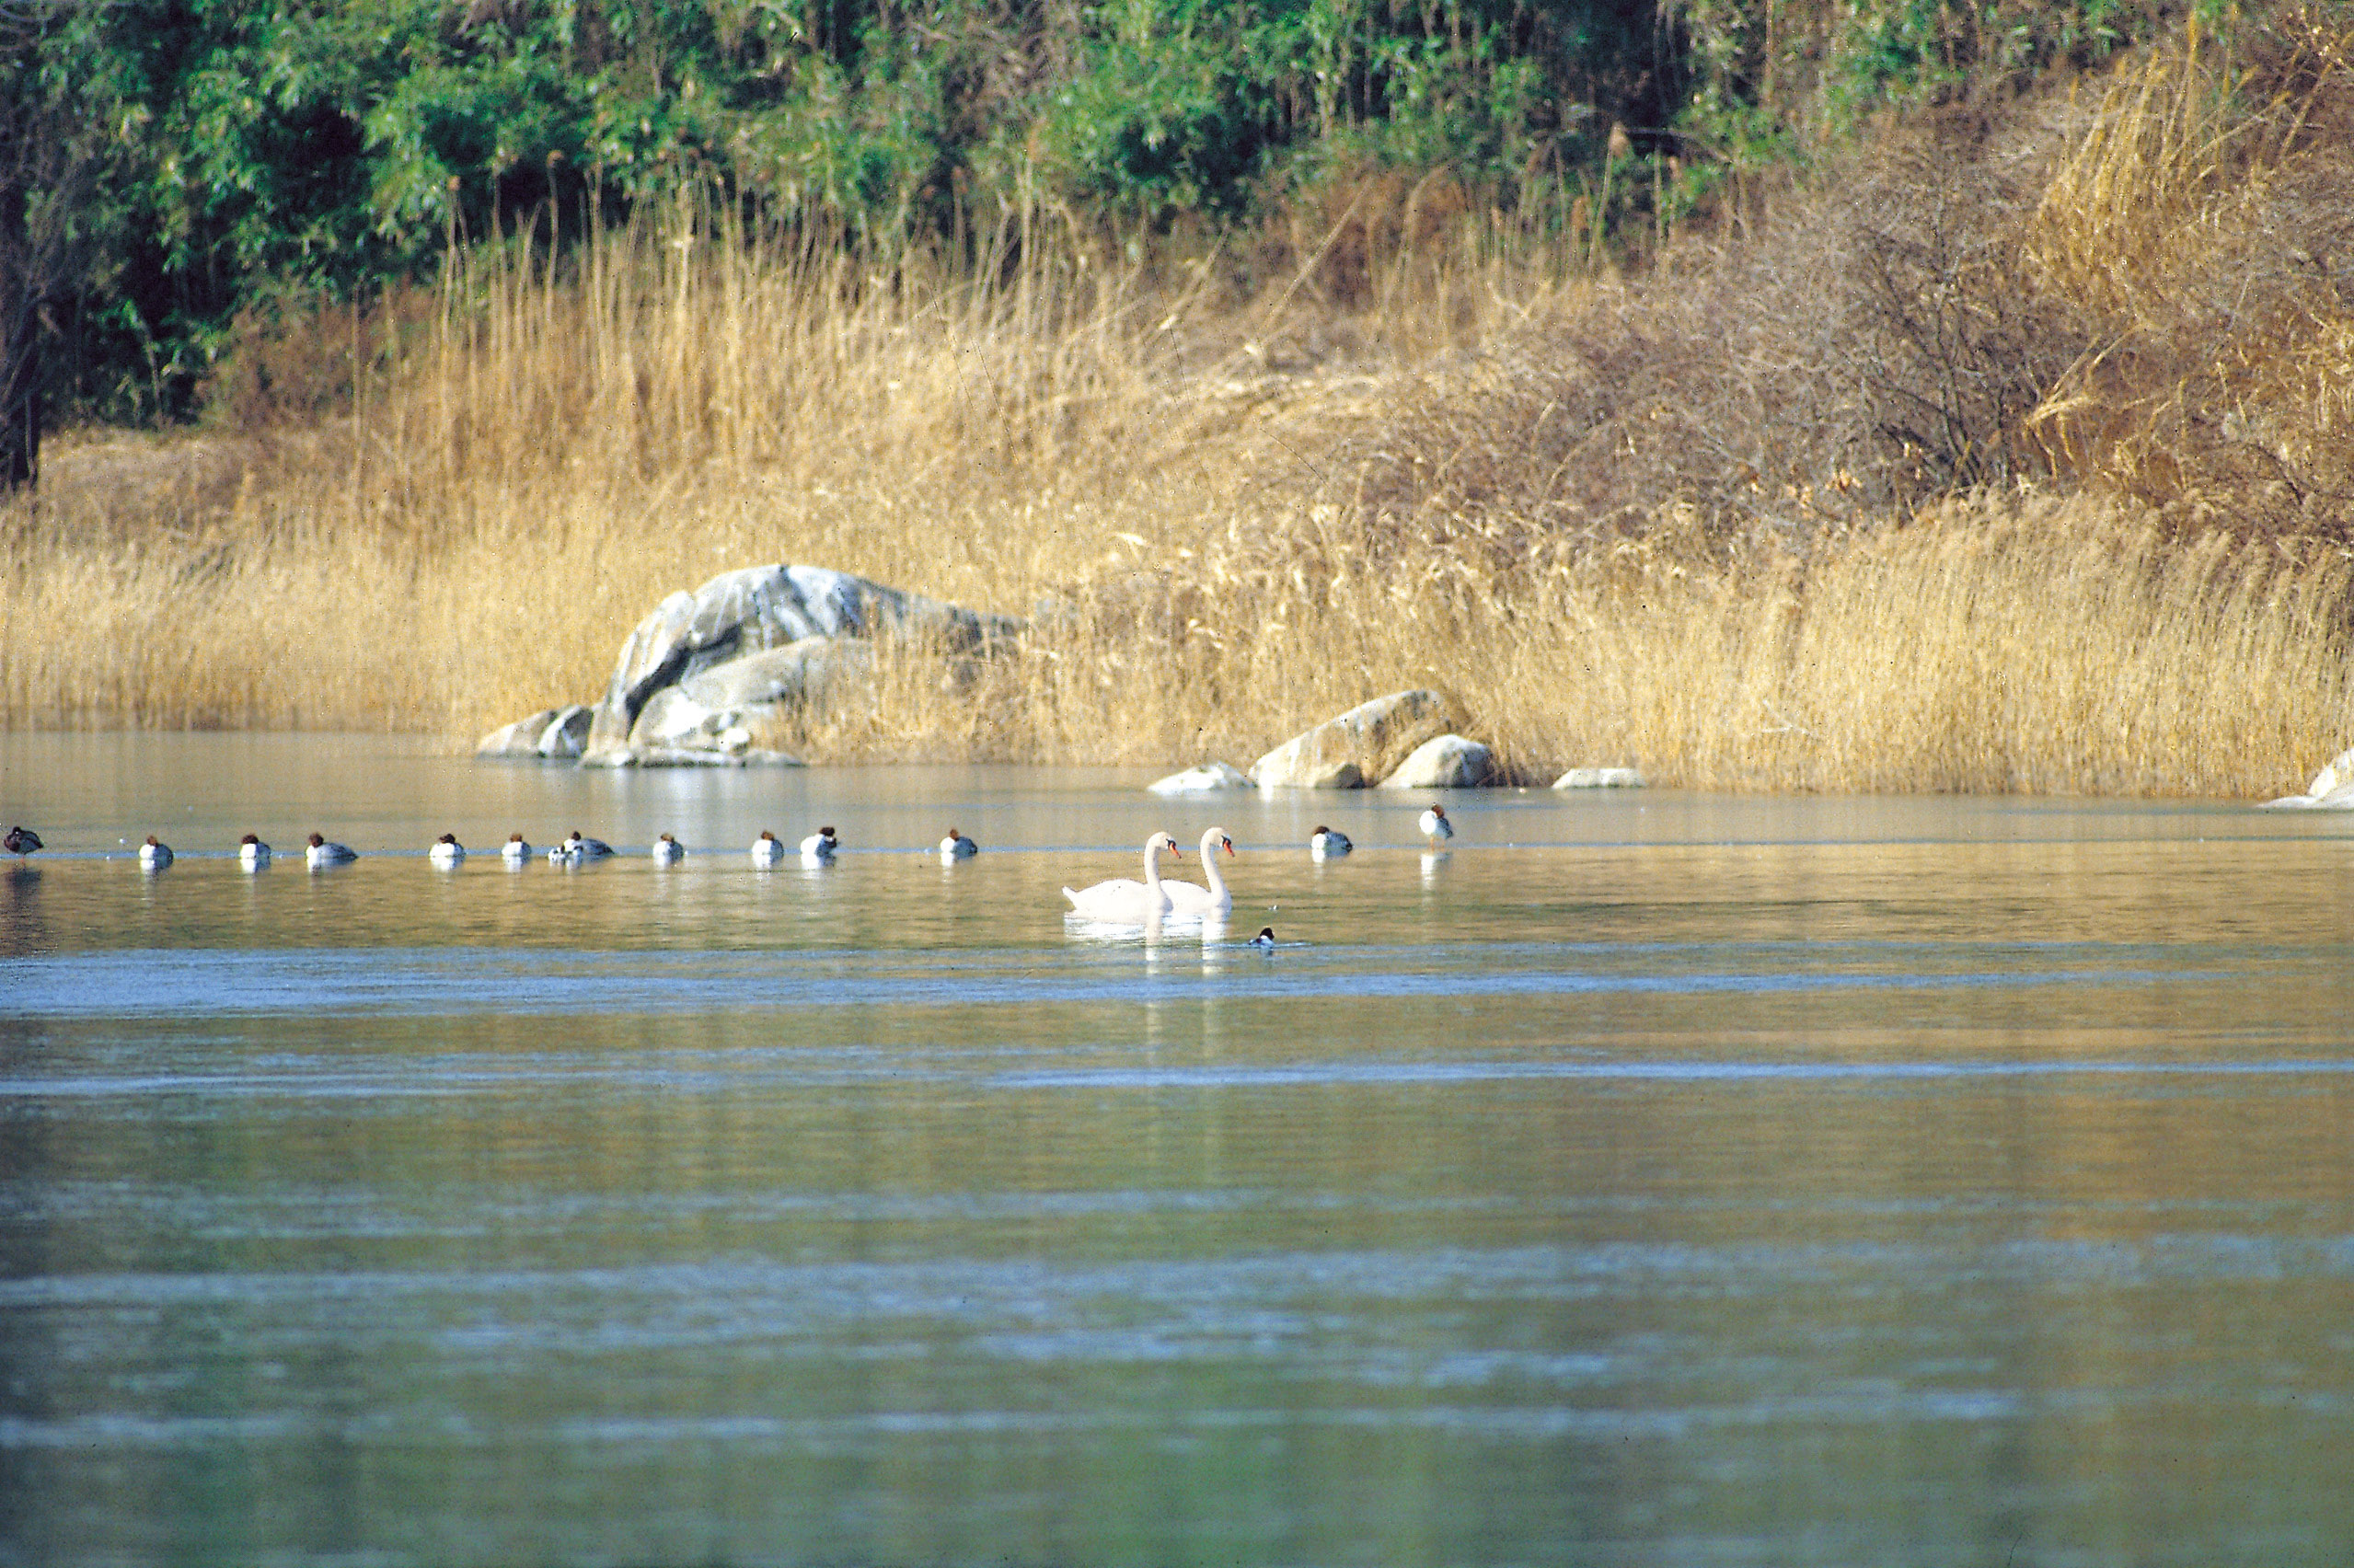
321	852
1435	825
768	849
1184	898
252	853
21	841
956	846
819	847
1328	843
446	850
154	855
577	847
668	851
1126	899
1265	938
514	852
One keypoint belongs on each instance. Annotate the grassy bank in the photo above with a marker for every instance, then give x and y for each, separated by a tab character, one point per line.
2011	459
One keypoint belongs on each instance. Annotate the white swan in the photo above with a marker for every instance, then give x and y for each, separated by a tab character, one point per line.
1435	825
515	851
668	851
819	847
1328	843
154	855
1184	898
322	853
956	846
252	853
768	849
1125	898
446	851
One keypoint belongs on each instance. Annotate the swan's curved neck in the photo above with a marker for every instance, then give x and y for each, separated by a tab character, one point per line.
1210	865
1152	866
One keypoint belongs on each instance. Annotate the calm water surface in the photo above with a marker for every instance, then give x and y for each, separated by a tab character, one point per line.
1653	1179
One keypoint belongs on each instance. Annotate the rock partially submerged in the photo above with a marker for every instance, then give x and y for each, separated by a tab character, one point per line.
1444	762
1207	780
1358	747
2331	790
714	677
1600	778
553	732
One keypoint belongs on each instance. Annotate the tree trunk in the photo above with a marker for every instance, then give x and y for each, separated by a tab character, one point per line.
19	349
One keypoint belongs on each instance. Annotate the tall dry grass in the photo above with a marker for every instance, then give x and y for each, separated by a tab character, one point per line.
1677	520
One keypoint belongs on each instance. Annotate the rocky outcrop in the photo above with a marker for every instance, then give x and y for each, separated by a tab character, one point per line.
1359	747
1207	780
1444	762
712	678
1600	778
2332	788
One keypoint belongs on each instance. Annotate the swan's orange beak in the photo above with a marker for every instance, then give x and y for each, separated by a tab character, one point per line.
1229	844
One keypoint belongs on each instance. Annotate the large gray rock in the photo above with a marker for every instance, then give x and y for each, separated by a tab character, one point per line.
566	735
1444	762
763	607
1356	748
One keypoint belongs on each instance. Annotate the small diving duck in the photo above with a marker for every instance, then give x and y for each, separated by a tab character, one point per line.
21	842
515	851
1265	940
321	852
668	851
577	847
819	847
154	855
1328	843
446	851
768	849
252	853
956	846
1435	825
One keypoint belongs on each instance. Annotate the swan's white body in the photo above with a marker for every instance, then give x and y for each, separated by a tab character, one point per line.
668	851
321	852
956	846
1329	843
154	855
516	851
1126	899
768	849
819	847
1184	898
446	850
252	853
1435	825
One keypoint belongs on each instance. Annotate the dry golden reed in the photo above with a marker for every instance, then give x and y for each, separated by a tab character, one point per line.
1233	513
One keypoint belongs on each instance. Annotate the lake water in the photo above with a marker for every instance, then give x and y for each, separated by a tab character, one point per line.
1653	1179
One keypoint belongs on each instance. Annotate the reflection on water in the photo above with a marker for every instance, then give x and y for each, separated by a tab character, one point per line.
1695	1182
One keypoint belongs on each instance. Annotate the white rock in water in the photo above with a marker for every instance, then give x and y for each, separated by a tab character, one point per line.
1600	778
518	739
2337	772
1366	743
1446	762
1207	780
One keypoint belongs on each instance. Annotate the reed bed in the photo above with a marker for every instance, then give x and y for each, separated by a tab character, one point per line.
1232	513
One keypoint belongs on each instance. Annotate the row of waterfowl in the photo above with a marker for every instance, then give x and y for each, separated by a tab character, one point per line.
1324	843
